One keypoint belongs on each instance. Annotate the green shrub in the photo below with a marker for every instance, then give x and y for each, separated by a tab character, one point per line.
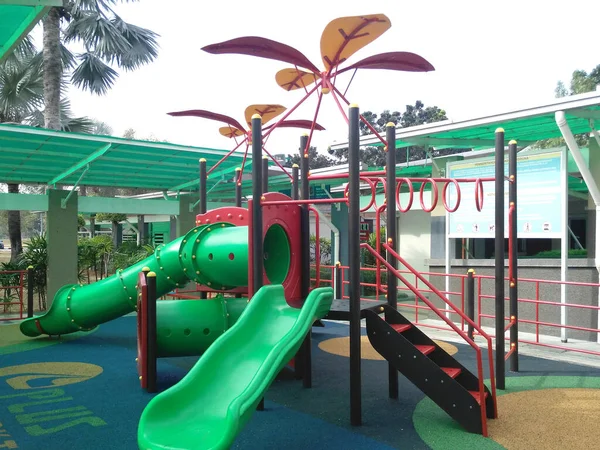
130	253
324	249
36	255
573	253
325	275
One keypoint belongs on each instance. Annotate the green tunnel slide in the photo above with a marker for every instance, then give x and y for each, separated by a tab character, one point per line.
213	402
214	255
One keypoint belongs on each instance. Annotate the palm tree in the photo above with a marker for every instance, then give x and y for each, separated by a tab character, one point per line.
21	93
108	41
21	97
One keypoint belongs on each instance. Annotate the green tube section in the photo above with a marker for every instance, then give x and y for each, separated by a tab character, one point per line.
189	327
214	255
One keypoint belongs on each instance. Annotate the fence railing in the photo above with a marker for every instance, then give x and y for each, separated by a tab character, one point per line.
535	310
12	294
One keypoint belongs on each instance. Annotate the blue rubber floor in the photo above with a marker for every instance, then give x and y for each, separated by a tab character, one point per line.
84	393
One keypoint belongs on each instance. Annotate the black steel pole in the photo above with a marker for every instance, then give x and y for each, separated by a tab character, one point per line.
151	334
499	248
295	175
238	186
30	287
512	230
392	235
257	231
338	280
257	222
202	194
354	263
265	174
470	300
202	188
306	352
295	196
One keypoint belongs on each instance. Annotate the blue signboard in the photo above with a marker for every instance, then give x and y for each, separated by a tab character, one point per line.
541	193
321	191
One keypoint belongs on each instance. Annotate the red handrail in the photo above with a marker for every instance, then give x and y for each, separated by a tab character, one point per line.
317	245
451	324
378	240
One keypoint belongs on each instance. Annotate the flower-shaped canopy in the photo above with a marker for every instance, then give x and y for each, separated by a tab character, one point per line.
340	39
235	129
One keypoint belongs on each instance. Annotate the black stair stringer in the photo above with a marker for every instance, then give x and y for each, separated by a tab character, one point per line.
424	371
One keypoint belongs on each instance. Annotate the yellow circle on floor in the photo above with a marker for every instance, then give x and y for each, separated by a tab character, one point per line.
13	341
548	418
341	346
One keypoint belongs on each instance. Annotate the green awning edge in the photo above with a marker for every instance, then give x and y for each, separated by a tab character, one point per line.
22	27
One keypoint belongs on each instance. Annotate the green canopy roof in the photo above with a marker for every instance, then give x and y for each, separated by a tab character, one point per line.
526	126
17	18
36	155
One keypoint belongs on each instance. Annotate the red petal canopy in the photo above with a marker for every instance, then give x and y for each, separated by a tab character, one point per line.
263	48
306	124
208	115
404	61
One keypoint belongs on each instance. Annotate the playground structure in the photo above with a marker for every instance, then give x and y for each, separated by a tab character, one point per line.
463	394
237	251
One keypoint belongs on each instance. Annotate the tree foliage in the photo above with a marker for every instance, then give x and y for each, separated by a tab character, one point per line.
316	160
107	41
581	82
111	217
413	115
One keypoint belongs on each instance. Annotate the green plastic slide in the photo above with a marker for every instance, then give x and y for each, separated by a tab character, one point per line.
213	402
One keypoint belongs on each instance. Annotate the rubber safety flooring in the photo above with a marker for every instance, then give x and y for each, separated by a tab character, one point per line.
83	392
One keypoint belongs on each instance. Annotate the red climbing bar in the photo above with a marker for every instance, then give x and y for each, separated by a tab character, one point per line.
311	201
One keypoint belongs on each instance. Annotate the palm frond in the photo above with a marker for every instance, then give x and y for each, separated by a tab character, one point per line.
143	45
91	5
80	125
67	57
93	74
98	34
67	121
24	50
101	128
21	88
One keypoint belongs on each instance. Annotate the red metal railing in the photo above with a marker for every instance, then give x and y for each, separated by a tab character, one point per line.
537	301
15	282
450	323
458	295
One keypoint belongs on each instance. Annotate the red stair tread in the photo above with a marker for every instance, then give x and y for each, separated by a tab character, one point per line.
400	327
425	349
452	371
475	395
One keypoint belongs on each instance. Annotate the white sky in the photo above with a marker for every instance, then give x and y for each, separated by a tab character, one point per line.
489	57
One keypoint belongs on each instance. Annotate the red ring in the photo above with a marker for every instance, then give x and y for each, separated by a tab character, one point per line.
444	192
479	194
372	201
411	192
434	189
383	182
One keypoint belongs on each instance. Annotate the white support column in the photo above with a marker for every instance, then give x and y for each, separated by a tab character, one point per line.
588	178
336	242
448	265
